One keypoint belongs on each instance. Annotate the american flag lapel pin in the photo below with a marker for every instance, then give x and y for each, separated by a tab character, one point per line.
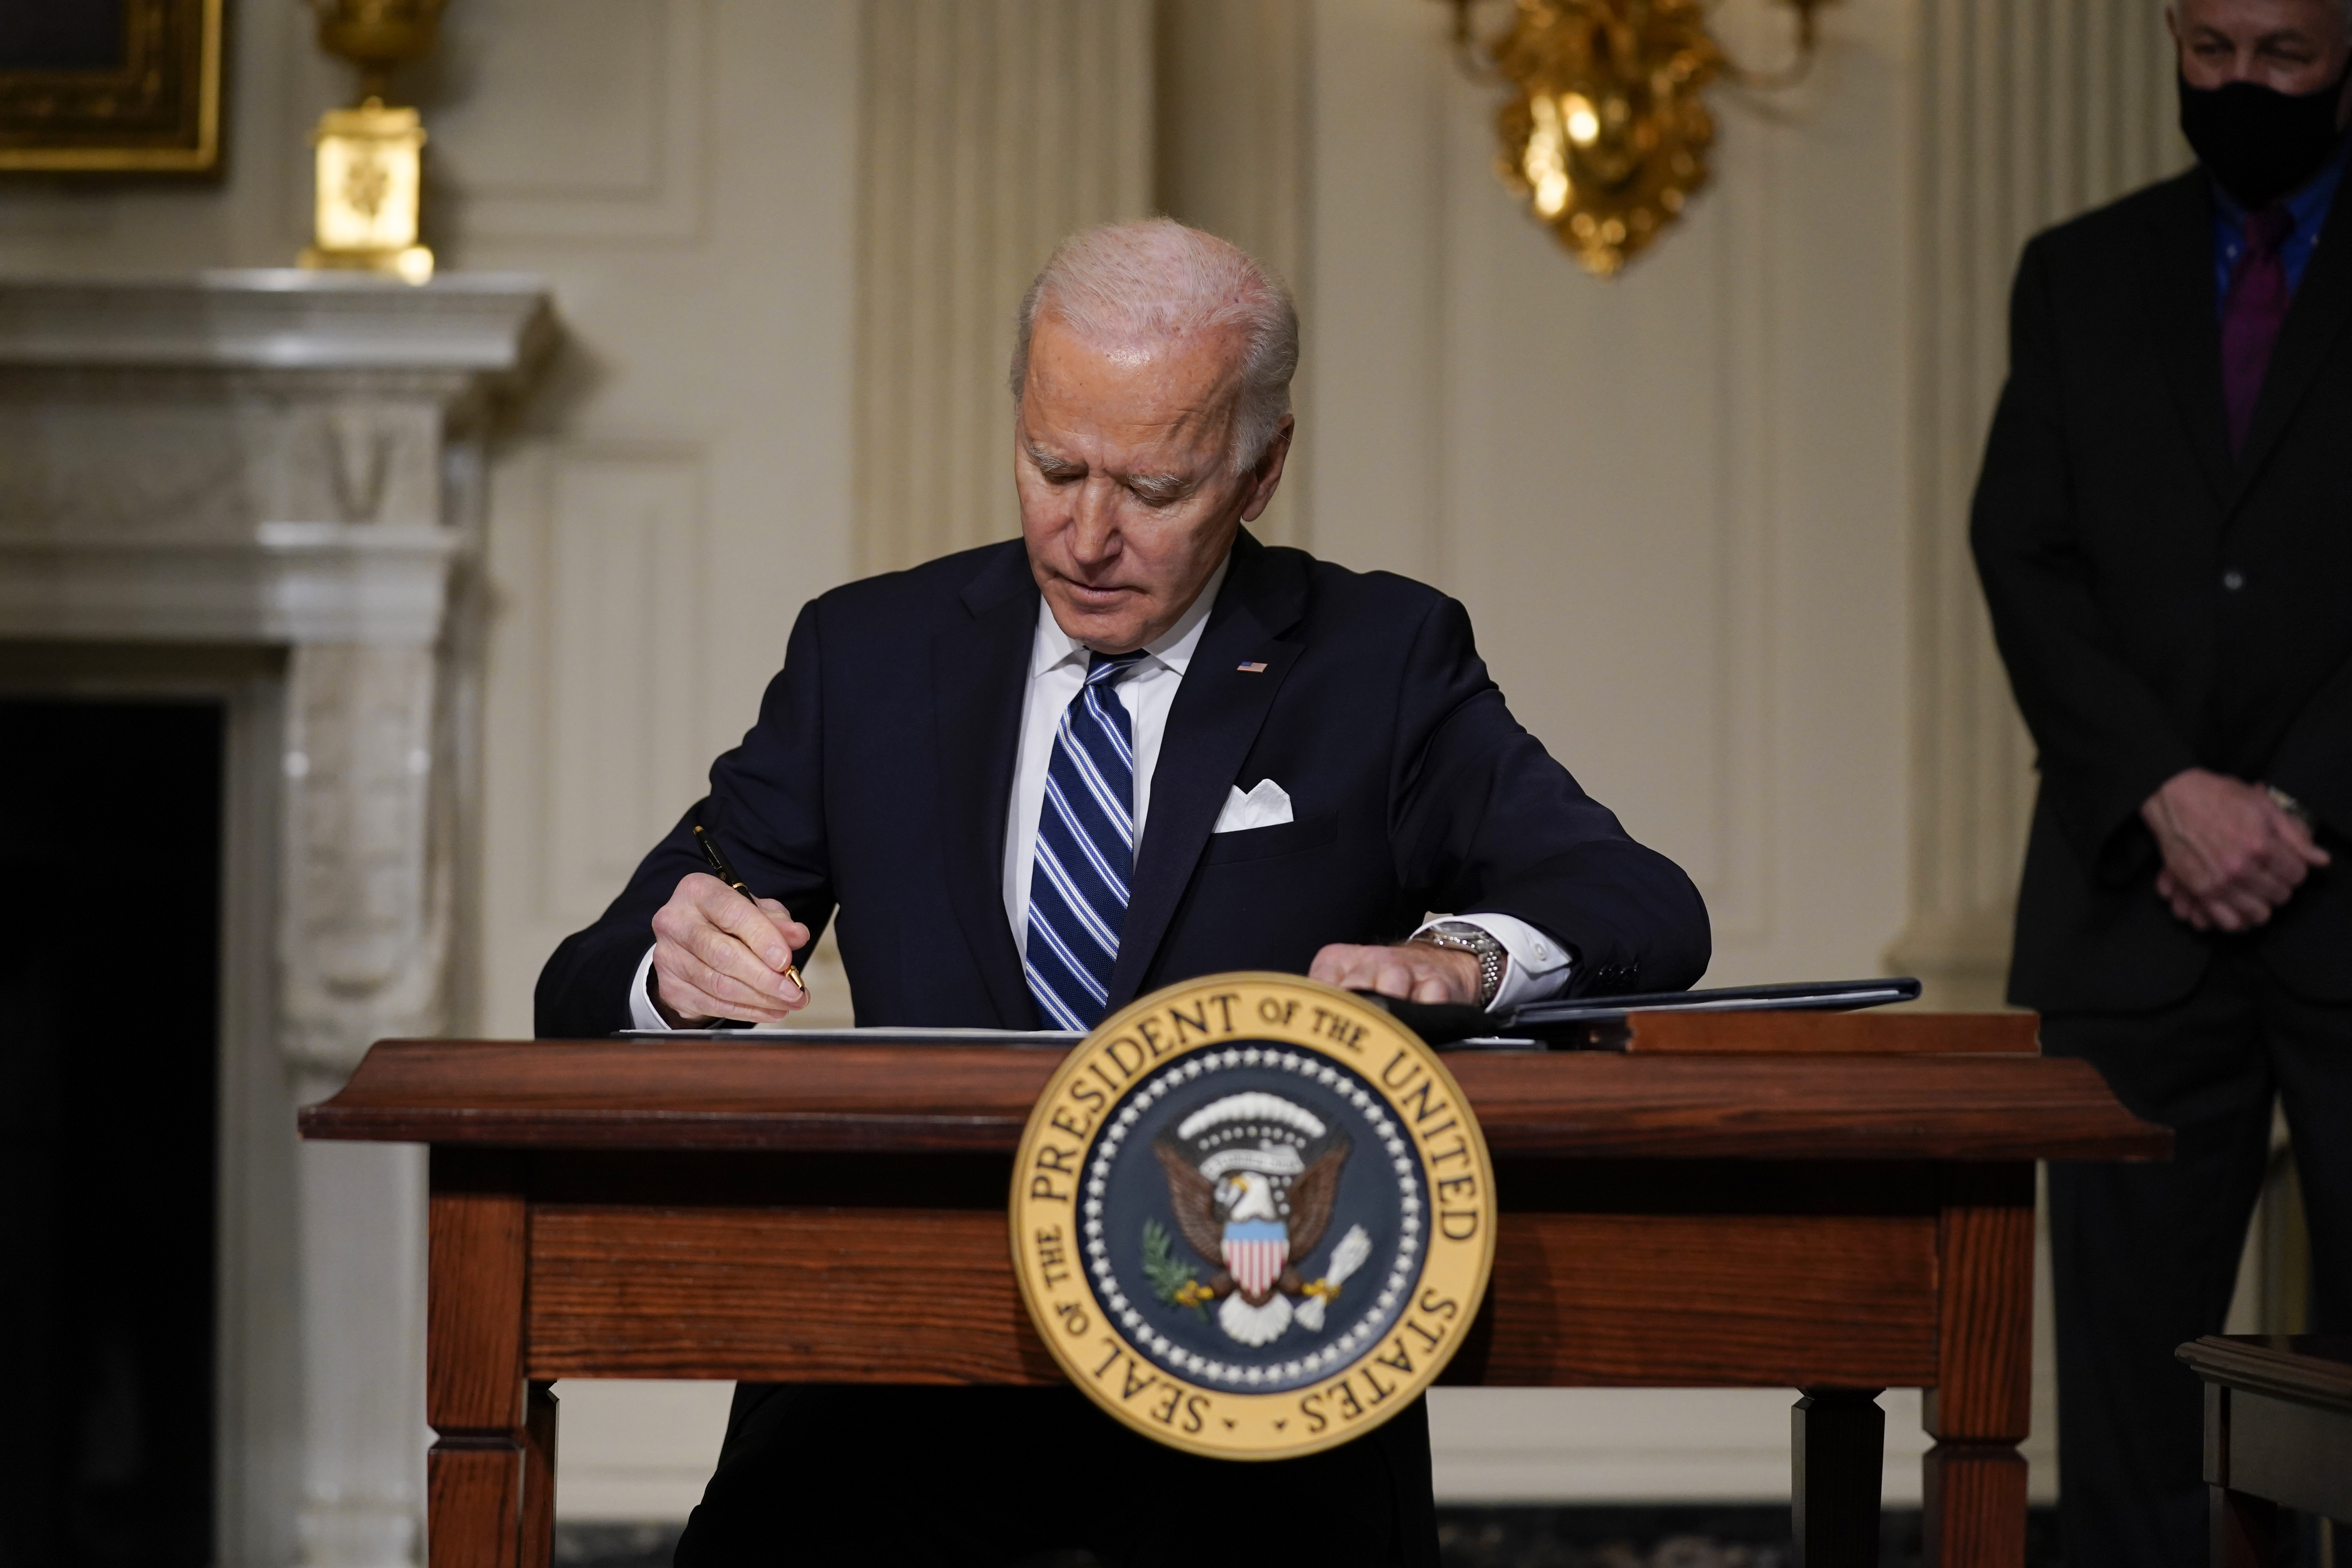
1254	667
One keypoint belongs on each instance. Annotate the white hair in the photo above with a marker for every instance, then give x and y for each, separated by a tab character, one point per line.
1155	278
2343	11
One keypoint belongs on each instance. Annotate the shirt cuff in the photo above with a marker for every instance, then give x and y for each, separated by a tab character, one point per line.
643	1014
1536	966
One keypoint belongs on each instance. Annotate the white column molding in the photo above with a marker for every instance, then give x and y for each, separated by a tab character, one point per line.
293	460
2027	112
1232	105
362	1241
988	130
1232	97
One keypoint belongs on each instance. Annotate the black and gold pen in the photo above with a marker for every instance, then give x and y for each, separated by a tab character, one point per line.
726	873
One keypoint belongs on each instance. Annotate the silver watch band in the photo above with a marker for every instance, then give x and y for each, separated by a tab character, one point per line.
1460	936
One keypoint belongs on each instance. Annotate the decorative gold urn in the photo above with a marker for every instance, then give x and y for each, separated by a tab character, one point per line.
371	156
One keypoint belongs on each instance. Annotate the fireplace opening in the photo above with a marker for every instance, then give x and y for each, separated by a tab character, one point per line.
111	863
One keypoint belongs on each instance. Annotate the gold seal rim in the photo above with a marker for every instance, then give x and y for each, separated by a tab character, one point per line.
1255	1426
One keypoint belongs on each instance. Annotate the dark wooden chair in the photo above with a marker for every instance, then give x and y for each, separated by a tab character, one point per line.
2278	1431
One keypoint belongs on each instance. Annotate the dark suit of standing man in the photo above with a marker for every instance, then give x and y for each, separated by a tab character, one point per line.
1318	758
2164	529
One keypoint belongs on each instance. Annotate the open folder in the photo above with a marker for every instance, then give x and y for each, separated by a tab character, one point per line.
1597	1023
1579	1024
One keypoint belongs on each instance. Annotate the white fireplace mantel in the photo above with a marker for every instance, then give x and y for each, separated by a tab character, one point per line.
464	327
272	456
295	460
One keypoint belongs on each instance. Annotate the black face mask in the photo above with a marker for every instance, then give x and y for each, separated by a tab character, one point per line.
2259	142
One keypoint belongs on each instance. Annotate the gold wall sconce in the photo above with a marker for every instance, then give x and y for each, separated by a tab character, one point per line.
1606	130
371	156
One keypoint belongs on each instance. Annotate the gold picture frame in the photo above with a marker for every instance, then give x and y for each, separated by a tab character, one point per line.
129	87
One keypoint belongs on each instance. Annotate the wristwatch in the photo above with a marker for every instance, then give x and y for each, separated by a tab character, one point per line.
1460	936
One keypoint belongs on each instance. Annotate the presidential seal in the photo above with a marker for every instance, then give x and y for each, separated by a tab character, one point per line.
1252	1217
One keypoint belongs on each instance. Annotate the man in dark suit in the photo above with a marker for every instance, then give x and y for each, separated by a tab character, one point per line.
2163	529
1041	778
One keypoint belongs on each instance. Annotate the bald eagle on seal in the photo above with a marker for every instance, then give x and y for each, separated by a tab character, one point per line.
1252	1179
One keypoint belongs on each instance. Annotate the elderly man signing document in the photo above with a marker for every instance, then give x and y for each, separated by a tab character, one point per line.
1037	779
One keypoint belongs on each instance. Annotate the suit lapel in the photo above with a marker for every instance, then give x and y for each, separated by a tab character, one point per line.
1215	720
979	668
2178	277
2323	303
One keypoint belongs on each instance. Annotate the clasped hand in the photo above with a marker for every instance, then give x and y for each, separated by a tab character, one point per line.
2232	854
717	954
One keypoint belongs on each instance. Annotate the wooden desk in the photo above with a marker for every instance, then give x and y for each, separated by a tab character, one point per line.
2278	1429
1716	1207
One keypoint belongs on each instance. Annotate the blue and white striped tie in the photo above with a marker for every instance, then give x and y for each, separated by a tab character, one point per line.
1085	852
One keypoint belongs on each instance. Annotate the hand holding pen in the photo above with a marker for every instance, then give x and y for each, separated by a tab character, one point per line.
726	873
721	951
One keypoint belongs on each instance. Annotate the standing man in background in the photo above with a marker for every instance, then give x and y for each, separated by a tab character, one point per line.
2163	529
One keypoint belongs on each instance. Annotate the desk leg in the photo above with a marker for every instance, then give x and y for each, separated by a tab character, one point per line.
1981	1406
493	1438
1976	1505
538	1528
1840	1453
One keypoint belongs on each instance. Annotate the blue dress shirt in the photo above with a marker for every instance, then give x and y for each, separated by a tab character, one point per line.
2309	206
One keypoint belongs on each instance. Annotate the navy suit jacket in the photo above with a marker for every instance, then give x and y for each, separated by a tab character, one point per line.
878	781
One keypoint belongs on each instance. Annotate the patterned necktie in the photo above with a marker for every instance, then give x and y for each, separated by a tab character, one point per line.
2251	315
1085	851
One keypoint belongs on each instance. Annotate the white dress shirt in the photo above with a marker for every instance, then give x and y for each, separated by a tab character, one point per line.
1058	673
1537	967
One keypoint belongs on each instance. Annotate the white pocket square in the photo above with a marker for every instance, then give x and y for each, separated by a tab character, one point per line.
1265	806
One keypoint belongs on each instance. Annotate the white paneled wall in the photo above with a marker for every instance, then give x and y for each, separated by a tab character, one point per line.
2027	112
1674	504
516	158
989	128
619	581
681	484
1232	144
